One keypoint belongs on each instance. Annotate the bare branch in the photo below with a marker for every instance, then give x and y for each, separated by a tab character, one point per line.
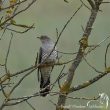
66	1
17	13
85	5
20	2
36	62
3	91
67	52
106	55
88	83
69	21
65	87
91	3
84	98
92	66
57	32
94	47
57	78
21	32
22	71
17	84
8	53
64	27
30	105
53	103
105	2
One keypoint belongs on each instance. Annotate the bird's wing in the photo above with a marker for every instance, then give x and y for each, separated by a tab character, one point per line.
40	58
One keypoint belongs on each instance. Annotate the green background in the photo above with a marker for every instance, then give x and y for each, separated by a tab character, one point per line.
47	15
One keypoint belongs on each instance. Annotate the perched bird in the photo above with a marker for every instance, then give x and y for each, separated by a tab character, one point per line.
47	55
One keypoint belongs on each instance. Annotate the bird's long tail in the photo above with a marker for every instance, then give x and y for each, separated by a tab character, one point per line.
44	86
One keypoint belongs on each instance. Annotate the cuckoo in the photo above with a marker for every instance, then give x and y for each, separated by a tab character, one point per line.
47	56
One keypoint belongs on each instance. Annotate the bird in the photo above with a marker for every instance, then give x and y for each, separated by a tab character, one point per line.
47	55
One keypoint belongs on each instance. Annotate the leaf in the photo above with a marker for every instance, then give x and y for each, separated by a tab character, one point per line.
9	11
13	21
12	1
107	70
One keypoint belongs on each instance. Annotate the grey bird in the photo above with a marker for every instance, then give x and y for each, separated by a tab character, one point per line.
47	55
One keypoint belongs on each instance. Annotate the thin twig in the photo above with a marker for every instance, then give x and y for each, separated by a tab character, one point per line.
92	66
33	108
105	2
36	62
91	49
85	5
17	84
91	3
82	28
6	59
17	13
3	91
84	98
22	71
13	5
21	32
23	26
53	103
64	27
88	83
106	55
57	32
2	87
69	21
5	28
66	52
53	84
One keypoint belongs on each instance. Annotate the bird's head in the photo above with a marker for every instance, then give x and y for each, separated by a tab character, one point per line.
44	38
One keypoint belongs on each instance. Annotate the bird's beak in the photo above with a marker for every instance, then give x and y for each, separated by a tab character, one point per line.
38	37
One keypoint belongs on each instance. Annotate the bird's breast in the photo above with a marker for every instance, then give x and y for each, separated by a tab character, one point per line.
49	54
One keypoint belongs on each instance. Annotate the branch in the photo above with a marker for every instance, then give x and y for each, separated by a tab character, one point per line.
21	32
85	5
17	13
64	27
92	66
17	84
91	3
106	55
87	83
94	47
84	98
33	108
58	78
83	45
20	2
66	52
105	2
6	70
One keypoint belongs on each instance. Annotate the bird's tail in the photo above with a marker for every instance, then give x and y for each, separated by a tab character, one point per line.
44	86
